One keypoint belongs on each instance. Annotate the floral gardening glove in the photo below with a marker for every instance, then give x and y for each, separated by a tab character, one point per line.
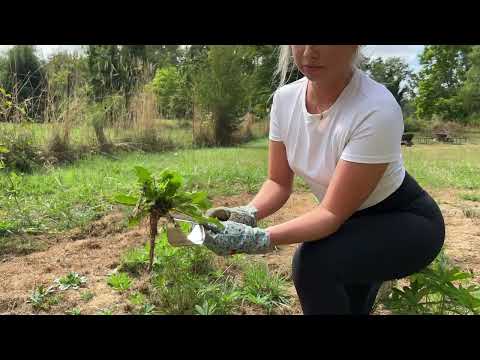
237	238
240	214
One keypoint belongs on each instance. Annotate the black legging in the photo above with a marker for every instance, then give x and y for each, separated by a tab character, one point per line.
342	273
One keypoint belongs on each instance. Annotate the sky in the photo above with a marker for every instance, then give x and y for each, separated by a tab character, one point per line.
408	52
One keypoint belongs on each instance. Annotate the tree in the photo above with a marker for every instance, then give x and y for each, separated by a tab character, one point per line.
260	62
115	69
132	63
219	87
23	76
470	91
392	72
170	87
104	70
67	77
443	73
162	55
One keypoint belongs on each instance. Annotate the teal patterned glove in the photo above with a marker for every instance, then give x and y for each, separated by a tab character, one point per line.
240	214
237	238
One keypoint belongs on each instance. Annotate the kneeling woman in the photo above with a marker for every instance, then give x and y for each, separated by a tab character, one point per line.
341	132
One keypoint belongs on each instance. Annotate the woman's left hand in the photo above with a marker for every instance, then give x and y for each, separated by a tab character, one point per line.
237	238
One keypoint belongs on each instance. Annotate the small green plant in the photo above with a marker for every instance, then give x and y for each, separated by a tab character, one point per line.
72	280
105	312
440	289
87	295
74	311
159	197
147	309
40	297
119	281
206	308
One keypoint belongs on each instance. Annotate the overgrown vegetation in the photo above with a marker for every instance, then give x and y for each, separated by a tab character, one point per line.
191	280
441	289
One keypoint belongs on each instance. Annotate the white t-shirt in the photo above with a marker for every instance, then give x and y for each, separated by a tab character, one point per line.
364	125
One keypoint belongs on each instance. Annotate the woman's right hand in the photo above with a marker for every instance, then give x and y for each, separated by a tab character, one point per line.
240	214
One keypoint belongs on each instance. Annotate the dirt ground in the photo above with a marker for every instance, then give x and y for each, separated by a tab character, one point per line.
95	252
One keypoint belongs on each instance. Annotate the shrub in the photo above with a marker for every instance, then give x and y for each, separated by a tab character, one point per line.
413	124
23	155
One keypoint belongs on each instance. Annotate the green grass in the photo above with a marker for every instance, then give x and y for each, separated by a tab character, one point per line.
64	197
74	195
471	197
264	288
134	261
87	295
442	166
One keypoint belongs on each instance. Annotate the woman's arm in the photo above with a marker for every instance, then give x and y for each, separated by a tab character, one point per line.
349	187
276	190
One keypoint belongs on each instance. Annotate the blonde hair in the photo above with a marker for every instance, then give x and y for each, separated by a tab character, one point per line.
285	62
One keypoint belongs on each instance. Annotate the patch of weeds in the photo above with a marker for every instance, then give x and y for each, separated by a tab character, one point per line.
263	288
7	227
175	292
11	243
74	311
54	299
471	213
105	312
134	261
142	307
471	197
87	295
186	277
119	281
199	260
72	280
440	289
137	299
221	297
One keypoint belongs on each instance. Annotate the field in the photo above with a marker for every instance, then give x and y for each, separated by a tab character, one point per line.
60	220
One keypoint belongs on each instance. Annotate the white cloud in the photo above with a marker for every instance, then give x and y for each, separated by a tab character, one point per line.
408	52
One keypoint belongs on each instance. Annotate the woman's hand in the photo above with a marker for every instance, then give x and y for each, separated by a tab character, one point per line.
237	238
240	214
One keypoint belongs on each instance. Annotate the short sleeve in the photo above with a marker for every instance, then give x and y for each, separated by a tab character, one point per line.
377	139
275	132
